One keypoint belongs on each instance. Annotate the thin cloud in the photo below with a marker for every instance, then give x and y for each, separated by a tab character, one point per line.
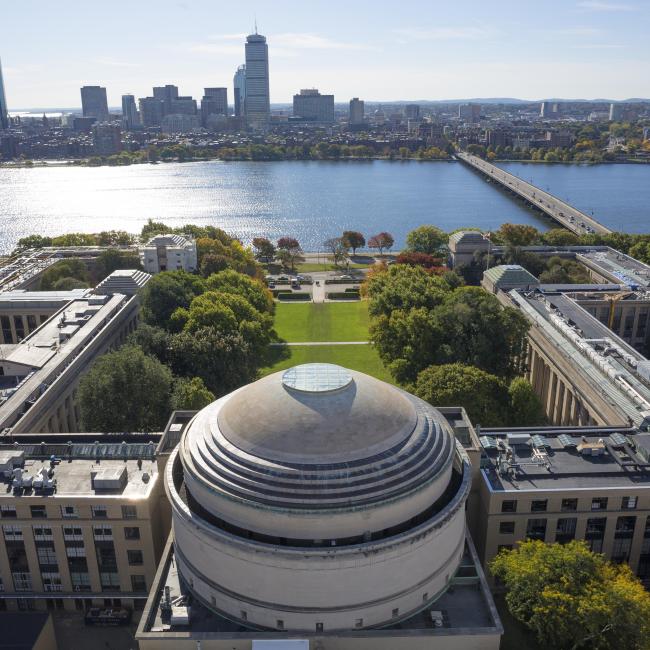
578	31
597	46
309	41
116	63
445	34
595	5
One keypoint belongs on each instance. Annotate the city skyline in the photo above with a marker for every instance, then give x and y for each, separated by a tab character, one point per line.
362	50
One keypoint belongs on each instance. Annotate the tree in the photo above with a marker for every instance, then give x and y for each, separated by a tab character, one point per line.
515	234
574	599
419	259
166	292
213	263
289	252
381	241
72	268
264	249
484	396
560	237
190	394
426	239
113	259
153	228
254	291
526	408
33	241
125	391
337	247
353	239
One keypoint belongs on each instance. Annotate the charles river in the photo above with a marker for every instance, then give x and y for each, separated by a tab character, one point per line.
308	200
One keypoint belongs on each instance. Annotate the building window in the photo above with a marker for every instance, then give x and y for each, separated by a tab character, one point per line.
538	506
508	506
358	622
566	530
536	529
595	533
99	512
599	503
135	558
69	512
38	512
279	624
507	527
138	584
621	550
129	512
628	503
425	596
396	612
319	627
243	615
569	505
103	533
625	527
131	532
8	512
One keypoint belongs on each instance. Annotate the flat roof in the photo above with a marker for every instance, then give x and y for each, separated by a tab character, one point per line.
514	465
23	297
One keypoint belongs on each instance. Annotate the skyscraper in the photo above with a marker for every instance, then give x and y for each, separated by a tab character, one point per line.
412	111
4	111
311	106
258	106
239	84
151	111
94	103
166	94
357	111
214	102
130	116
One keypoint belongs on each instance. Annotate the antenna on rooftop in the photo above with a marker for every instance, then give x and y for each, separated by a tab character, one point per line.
255	24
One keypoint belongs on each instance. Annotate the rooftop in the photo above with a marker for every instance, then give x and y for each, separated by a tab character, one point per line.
168	240
23	297
565	458
510	275
124	281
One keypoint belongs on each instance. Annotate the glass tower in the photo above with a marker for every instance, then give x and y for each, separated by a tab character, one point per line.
258	107
4	112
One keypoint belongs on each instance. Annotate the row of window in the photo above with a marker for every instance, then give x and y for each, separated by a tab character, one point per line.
569	505
70	533
68	512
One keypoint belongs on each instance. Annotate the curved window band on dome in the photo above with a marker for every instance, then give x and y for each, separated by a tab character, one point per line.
316	378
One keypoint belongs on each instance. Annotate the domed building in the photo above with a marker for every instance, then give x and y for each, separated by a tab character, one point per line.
317	500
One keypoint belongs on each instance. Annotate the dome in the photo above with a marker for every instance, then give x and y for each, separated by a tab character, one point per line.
317	438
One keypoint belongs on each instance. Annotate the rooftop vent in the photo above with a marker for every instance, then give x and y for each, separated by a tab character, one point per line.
109	478
567	441
518	439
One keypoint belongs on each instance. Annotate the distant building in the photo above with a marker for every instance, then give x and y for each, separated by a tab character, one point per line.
357	111
550	110
239	86
496	138
469	113
107	138
151	111
214	102
562	139
258	105
8	147
311	106
4	111
130	115
508	276
166	94
616	112
94	103
412	111
183	106
179	123
169	253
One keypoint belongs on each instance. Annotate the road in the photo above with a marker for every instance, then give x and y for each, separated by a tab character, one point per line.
566	215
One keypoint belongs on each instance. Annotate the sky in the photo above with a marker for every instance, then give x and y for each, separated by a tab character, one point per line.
378	50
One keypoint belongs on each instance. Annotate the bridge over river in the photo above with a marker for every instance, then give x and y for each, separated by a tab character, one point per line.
566	215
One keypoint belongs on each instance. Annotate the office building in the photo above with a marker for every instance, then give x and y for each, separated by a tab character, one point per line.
4	110
239	86
40	374
258	106
311	106
151	111
185	105
470	113
357	111
107	138
176	123
166	94
370	563
130	115
555	485
169	253
82	523
412	111
94	103
214	102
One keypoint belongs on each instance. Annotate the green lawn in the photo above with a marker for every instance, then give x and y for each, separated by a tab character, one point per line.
325	321
363	358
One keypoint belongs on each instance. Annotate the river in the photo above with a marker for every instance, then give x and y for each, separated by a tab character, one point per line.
311	201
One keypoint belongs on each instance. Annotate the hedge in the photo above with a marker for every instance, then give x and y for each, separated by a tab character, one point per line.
297	295
343	295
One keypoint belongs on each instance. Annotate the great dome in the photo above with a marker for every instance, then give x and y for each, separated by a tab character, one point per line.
318	496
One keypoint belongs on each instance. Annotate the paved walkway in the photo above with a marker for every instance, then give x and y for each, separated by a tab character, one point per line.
316	343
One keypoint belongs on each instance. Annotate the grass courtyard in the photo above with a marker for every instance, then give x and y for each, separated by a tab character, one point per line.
318	322
324	321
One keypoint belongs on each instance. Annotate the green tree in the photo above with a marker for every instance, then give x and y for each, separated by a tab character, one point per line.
213	263
574	599
560	237
484	396
353	239
253	290
338	249
67	284
526	408
70	268
264	249
515	234
153	228
426	239
382	241
125	391
113	259
166	292
33	241
289	252
190	394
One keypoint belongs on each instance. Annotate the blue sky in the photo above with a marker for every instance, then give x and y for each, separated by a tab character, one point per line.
377	50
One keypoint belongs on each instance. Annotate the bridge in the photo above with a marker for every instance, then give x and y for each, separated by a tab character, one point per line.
557	209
